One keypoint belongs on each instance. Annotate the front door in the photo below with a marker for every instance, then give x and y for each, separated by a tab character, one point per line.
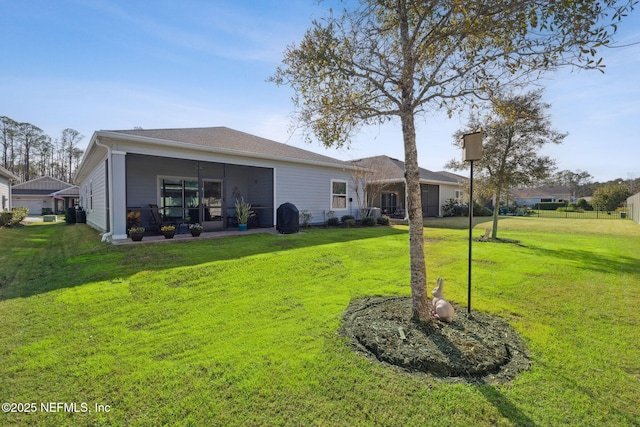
212	204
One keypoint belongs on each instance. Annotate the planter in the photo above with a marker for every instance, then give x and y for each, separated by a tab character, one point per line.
242	227
136	237
169	234
195	233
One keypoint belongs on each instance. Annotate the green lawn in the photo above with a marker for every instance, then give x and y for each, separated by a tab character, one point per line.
243	331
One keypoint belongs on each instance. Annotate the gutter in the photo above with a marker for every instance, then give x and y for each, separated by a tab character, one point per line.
107	236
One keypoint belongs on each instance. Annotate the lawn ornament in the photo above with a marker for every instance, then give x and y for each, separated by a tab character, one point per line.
444	309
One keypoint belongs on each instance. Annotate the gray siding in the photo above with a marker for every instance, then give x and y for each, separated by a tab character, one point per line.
93	198
309	189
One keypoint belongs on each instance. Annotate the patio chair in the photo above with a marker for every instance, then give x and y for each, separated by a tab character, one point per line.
157	218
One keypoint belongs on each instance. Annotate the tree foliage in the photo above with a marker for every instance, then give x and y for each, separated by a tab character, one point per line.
385	59
515	129
610	196
28	152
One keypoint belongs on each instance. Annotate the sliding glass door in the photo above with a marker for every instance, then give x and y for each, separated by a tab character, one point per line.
212	202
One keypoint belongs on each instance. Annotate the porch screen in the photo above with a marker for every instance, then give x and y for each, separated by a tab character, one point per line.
177	195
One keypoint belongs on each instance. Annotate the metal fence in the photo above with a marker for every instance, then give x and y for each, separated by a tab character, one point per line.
623	212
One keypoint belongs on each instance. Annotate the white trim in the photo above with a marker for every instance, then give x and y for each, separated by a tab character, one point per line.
346	195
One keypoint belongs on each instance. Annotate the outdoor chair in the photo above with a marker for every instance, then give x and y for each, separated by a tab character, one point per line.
157	219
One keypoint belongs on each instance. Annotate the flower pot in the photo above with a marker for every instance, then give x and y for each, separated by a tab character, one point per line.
195	233
136	237
169	234
242	227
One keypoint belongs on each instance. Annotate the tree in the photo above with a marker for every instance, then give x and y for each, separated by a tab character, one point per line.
577	181
8	131
70	139
371	177
30	137
610	196
514	130
385	59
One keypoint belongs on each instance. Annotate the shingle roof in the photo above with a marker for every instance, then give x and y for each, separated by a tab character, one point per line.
394	169
230	140
541	192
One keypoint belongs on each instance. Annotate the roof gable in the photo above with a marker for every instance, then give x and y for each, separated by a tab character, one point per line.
43	183
394	169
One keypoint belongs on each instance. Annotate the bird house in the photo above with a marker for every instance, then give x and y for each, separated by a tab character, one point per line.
472	146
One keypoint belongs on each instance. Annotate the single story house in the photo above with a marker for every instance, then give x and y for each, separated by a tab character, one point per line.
387	187
531	196
6	178
197	174
44	195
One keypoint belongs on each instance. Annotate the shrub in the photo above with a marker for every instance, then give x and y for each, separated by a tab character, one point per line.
19	214
368	221
345	218
5	218
333	221
306	218
350	222
384	220
549	206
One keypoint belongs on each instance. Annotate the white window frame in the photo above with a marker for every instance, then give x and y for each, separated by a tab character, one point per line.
345	195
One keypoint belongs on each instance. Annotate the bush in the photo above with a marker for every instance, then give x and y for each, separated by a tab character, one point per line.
384	220
350	222
5	218
549	206
368	221
19	214
333	221
347	217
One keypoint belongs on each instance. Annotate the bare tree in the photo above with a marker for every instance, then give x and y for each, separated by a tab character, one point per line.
372	176
8	132
382	59
70	139
30	138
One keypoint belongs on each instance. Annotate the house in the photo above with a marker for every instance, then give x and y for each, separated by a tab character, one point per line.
6	178
44	194
531	196
386	187
196	174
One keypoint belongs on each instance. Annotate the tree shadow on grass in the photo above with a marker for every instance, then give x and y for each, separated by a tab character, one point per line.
506	408
42	258
588	260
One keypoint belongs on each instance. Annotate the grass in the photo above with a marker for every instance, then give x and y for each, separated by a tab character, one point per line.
243	331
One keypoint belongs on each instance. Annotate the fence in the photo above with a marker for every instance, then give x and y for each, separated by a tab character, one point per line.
634	212
622	212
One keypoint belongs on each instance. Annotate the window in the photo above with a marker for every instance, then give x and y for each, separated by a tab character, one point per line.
176	195
458	195
338	194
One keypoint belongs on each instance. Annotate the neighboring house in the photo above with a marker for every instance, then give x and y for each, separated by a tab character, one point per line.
6	179
195	175
387	174
531	196
43	195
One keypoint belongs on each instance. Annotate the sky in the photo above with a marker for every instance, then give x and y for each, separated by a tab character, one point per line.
104	65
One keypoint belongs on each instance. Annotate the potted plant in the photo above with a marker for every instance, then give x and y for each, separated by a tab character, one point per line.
169	231
136	233
195	229
243	213
133	219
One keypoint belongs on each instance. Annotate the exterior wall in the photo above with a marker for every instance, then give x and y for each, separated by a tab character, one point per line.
5	194
633	203
268	182
93	198
309	189
447	192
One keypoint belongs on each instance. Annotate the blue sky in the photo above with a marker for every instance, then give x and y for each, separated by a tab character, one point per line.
98	64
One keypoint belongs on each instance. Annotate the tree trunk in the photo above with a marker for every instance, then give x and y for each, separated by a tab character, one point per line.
420	302
496	212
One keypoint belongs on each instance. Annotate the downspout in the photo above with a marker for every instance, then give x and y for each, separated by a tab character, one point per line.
106	236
